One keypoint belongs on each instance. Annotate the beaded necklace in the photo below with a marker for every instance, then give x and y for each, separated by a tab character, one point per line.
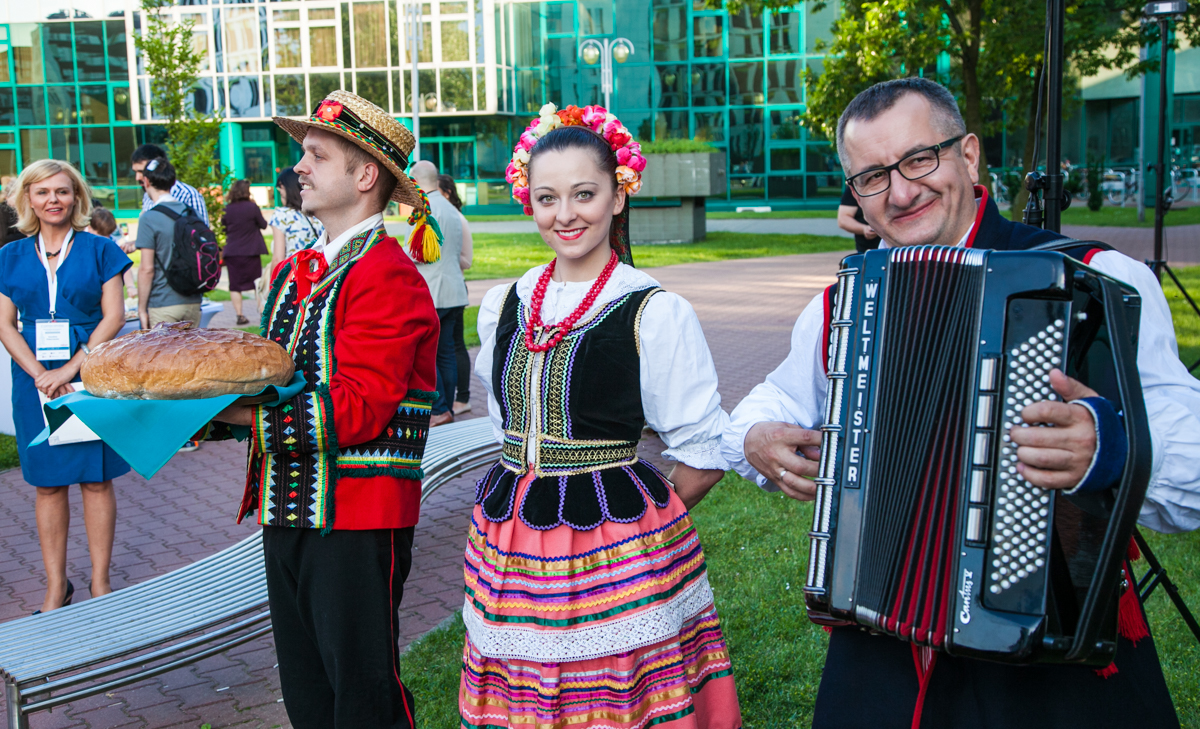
566	325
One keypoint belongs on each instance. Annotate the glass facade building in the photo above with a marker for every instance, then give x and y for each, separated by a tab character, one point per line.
72	85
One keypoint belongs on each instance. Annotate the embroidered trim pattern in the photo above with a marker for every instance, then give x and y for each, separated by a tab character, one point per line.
594	641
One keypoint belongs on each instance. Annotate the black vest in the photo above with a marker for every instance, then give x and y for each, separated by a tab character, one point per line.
581	403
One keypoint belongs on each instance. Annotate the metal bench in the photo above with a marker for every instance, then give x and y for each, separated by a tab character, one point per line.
178	618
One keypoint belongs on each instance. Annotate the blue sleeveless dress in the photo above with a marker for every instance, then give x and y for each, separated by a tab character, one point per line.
90	262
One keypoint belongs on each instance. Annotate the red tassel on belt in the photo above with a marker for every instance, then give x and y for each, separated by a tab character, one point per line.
1131	623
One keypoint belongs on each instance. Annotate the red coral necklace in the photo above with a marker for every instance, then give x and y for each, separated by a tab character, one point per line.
566	325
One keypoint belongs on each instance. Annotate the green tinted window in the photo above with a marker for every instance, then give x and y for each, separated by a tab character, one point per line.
784	33
64	145
93	106
745	141
31	106
745	35
118	59
97	155
708	84
746	83
707	36
670	32
785	82
60	56
89	50
27	53
673	86
120	107
34	145
8	109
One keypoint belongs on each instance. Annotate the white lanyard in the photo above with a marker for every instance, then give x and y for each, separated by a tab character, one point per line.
52	276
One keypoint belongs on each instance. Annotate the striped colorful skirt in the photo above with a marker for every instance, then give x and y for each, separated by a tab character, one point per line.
613	627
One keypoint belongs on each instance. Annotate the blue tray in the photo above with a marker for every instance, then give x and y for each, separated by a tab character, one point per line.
146	433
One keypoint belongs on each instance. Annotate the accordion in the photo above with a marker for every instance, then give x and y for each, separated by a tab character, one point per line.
923	528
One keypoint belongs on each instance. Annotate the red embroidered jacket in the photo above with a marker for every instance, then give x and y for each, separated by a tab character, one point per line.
384	348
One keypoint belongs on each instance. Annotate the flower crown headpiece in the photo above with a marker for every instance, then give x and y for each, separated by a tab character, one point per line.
630	161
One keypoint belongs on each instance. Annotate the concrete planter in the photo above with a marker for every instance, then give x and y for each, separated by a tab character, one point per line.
683	175
681	182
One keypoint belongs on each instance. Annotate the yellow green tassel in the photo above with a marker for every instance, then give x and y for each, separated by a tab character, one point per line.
425	241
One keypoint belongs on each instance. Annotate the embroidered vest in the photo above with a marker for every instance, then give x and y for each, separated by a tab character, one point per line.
576	412
295	459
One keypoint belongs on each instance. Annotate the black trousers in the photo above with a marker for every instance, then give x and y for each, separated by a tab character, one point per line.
334	602
870	682
464	360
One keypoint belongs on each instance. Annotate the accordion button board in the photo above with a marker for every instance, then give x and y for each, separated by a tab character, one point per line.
923	526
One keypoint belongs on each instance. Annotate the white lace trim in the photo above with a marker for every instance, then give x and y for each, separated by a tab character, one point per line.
564	297
550	645
704	454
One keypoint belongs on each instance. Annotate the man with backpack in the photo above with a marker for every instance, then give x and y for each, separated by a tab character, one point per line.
181	191
163	239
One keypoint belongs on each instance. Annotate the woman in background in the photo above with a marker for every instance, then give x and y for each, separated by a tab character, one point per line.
105	225
291	229
244	245
64	273
462	398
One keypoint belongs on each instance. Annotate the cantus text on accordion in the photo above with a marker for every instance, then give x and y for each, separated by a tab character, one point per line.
923	527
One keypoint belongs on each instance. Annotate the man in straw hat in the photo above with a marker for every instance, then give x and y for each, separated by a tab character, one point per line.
335	472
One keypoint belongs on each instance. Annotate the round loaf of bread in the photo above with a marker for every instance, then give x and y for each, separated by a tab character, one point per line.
178	362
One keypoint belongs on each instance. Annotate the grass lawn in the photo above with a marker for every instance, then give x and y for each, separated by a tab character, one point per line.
725	215
1187	324
1126	217
502	255
757	552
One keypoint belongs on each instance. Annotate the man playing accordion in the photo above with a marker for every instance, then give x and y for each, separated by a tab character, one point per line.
913	169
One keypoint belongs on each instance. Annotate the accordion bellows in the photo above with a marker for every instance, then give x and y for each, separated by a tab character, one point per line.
923	528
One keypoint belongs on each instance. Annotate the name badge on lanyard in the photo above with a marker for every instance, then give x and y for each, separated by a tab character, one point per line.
53	335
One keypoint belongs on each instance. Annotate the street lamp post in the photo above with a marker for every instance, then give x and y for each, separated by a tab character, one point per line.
605	51
415	42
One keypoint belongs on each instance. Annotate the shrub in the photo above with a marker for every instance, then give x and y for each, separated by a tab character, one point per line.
677	146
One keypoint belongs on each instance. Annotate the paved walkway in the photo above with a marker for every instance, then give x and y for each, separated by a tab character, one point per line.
186	512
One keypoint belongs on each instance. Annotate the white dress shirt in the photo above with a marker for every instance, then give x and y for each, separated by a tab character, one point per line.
678	378
795	393
331	249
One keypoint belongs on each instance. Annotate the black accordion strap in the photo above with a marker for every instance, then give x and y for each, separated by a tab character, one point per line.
1064	244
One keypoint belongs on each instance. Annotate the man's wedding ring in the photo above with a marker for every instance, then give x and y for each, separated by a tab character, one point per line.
781	472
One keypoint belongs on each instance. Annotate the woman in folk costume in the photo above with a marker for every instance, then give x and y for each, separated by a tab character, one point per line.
587	599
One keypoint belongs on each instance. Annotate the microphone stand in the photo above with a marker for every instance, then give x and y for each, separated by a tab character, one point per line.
1162	13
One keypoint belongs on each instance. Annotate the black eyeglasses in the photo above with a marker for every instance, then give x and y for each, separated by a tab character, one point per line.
922	163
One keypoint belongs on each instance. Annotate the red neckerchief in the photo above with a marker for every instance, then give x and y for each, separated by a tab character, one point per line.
309	267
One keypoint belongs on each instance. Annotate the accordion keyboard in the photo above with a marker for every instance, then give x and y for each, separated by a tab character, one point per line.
1018	540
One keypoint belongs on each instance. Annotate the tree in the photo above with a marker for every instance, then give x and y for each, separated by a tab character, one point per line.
995	49
173	63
